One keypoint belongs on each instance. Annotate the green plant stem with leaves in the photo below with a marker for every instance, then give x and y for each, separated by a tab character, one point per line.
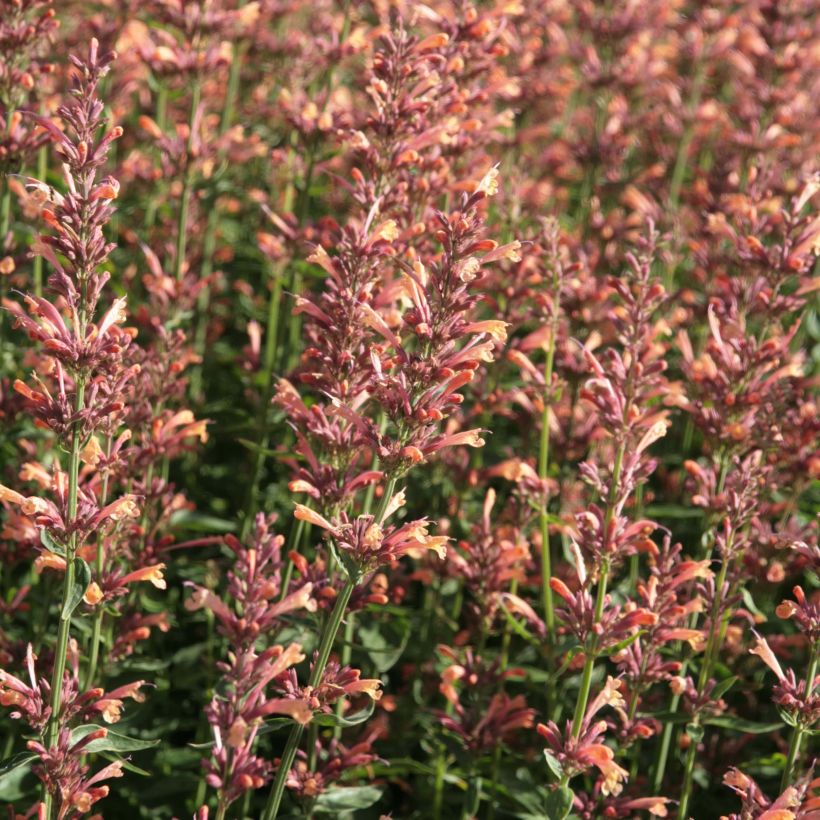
591	652
350	623
799	730
329	633
543	474
669	727
69	583
441	757
99	613
709	656
589	663
543	520
291	747
42	174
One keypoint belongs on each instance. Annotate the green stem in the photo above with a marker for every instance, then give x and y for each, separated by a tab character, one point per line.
600	600
209	243
441	758
663	752
681	161
5	224
502	668
296	541
589	663
5	202
187	185
99	613
389	489
161	112
712	645
669	727
682	157
64	627
799	729
328	637
42	173
543	470
268	364
344	659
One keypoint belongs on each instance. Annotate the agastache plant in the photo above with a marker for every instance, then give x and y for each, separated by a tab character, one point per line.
415	382
81	389
620	389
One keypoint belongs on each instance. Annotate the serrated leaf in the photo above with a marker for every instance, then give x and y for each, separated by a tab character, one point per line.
82	578
346	799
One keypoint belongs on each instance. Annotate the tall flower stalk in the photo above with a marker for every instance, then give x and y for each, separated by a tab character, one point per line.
88	384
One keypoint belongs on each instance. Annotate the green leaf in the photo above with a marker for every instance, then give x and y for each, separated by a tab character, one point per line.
82	578
50	544
258	448
112	742
517	627
272	725
354	720
19	761
751	605
199	522
559	803
472	800
747	727
126	764
695	732
12	772
385	654
613	650
555	766
724	686
346	799
655	511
